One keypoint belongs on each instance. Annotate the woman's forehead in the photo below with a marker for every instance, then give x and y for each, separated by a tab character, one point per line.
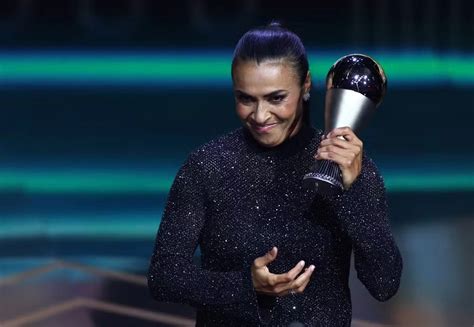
265	77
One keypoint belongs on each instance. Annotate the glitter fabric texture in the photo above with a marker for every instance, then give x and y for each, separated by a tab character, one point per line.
237	199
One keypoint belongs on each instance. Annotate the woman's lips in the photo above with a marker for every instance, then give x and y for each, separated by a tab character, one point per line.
263	128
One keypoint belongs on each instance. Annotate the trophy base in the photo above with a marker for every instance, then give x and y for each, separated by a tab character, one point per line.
321	186
324	177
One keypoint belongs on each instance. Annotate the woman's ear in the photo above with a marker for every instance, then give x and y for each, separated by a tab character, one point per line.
307	82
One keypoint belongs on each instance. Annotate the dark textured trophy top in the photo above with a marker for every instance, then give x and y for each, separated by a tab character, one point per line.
358	73
236	200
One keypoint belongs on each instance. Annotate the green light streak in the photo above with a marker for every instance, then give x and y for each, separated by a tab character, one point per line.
113	67
91	226
86	182
430	182
110	182
201	67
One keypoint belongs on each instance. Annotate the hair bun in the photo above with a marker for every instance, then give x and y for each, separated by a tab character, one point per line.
275	23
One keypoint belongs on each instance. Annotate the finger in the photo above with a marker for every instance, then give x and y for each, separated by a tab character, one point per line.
296	269
347	157
352	138
303	286
339	148
266	259
303	278
346	132
338	142
331	150
288	276
341	160
298	284
340	131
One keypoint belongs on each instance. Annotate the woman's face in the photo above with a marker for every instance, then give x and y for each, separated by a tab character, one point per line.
269	100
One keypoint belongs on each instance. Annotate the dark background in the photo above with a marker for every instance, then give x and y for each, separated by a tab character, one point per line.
85	164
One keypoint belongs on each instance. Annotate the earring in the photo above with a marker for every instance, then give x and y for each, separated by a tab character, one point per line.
306	96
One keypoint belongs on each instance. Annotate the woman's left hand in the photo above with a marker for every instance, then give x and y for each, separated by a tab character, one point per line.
347	153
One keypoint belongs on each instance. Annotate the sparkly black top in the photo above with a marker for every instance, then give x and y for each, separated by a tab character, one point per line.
236	199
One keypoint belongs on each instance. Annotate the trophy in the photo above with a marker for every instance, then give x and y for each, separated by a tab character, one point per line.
355	86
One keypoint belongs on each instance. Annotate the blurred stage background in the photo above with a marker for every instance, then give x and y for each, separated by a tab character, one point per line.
102	101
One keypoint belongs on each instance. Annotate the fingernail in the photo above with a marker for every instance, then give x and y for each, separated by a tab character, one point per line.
311	267
301	263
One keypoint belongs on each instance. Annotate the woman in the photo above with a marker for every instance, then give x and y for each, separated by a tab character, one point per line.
272	252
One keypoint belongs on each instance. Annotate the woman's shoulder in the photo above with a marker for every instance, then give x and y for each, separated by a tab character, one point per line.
225	141
223	147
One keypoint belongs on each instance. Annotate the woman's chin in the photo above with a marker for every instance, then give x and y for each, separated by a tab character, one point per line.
267	141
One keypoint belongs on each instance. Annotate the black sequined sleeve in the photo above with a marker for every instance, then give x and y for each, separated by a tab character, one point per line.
363	214
172	275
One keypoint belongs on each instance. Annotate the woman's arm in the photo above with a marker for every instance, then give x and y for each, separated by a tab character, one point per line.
362	212
172	275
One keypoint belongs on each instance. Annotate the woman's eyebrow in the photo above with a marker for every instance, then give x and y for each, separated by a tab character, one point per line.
271	94
242	93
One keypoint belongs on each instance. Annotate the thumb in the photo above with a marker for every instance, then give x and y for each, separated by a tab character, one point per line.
267	258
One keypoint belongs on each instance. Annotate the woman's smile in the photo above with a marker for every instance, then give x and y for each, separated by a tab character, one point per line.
262	128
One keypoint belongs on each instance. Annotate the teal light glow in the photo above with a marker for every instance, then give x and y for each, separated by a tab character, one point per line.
86	181
410	182
126	182
201	68
133	225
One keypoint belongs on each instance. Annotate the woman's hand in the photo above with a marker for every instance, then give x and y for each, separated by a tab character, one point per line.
278	284
343	147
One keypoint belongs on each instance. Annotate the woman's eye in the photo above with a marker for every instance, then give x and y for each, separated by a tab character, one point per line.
244	99
277	98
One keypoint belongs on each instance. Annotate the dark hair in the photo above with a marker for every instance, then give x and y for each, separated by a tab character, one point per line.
274	42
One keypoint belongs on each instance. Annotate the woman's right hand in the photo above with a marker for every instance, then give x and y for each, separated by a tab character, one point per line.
279	284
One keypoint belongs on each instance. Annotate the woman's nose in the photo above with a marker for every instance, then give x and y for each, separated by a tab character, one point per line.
261	113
